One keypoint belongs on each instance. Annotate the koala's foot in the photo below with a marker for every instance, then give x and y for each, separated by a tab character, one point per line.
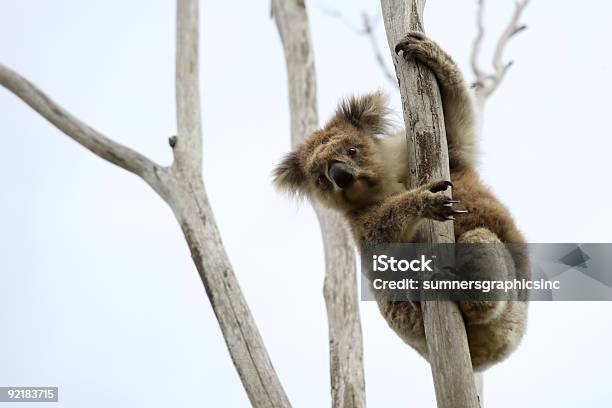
493	341
436	205
482	311
481	256
416	45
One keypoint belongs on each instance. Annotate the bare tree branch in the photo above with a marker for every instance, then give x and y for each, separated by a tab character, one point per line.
480	76
340	16
83	134
485	85
340	287
188	149
369	31
182	187
444	328
192	209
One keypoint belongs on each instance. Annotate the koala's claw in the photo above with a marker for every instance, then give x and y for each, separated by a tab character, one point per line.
452	217
440	208
411	43
417	46
407	43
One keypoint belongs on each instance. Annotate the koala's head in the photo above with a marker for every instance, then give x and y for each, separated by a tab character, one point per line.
342	165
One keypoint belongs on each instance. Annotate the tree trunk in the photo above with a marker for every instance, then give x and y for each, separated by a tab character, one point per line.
444	328
340	287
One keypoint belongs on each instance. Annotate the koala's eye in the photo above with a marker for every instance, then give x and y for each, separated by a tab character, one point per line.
321	180
352	151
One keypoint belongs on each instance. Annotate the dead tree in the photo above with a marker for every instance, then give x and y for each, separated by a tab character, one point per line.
181	186
340	288
445	332
449	355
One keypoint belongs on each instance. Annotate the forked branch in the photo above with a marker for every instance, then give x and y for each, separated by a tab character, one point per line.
485	84
182	187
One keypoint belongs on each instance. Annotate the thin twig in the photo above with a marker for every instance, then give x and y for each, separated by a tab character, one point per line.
367	29
478	43
340	16
485	85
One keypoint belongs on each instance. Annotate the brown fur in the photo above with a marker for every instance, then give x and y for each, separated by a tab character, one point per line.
380	208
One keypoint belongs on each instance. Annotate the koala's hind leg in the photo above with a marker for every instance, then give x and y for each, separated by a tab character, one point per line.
406	320
481	256
494	328
457	100
492	342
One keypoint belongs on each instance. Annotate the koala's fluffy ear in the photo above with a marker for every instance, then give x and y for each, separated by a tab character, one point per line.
289	175
369	113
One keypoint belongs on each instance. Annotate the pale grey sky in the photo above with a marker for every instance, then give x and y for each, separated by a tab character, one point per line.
99	295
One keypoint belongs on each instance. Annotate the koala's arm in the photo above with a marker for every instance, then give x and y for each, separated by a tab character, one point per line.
457	99
397	218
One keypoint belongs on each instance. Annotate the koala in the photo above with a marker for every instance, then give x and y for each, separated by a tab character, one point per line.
357	165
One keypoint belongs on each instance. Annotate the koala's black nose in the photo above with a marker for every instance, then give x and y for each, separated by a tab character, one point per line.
341	174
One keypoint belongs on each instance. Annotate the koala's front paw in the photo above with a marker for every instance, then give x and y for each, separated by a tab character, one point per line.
416	45
436	205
